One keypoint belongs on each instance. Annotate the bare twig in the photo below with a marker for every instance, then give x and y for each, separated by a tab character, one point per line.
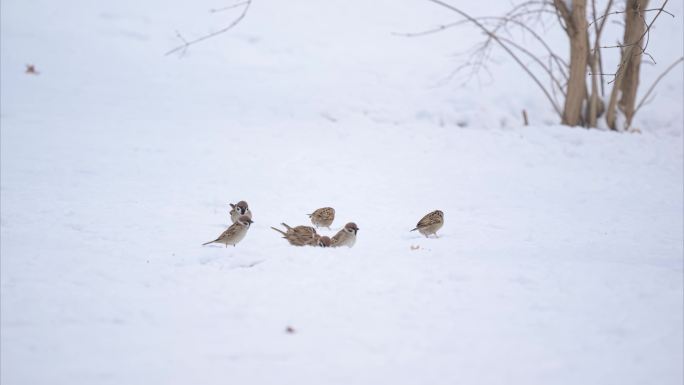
536	60
514	15
629	47
215	10
564	15
183	47
437	29
595	64
598	30
655	83
605	16
505	47
481	56
562	65
648	28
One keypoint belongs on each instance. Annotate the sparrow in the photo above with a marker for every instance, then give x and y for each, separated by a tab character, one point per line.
234	233
324	241
300	235
346	236
323	217
430	223
241	208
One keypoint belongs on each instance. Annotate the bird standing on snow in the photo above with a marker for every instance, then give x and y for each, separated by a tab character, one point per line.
430	223
234	233
323	217
300	235
239	209
346	236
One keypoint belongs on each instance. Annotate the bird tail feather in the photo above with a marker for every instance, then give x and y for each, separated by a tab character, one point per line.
278	230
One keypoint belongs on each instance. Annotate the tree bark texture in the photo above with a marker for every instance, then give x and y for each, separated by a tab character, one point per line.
576	27
627	76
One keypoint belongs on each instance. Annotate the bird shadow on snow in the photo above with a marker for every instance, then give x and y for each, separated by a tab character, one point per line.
412	237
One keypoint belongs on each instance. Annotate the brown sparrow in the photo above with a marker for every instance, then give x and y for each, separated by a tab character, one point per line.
324	241
323	217
239	209
234	233
346	236
300	235
430	223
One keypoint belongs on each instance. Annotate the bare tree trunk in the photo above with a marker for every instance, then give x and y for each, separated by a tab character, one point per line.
576	28
627	76
611	111
634	29
594	99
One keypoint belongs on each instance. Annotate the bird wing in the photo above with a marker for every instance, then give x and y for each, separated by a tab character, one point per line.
337	237
229	231
426	221
305	230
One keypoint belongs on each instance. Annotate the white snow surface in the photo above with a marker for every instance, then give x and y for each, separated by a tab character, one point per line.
560	261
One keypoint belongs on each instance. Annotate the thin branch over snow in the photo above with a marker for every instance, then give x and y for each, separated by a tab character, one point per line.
183	47
492	36
562	65
652	87
619	12
214	10
645	34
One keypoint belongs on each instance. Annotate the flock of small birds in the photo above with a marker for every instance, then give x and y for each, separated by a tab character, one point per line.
241	217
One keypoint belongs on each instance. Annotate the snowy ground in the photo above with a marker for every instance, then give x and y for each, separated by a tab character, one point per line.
560	261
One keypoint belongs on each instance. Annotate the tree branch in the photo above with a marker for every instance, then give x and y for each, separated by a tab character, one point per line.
508	50
183	47
562	65
652	87
605	16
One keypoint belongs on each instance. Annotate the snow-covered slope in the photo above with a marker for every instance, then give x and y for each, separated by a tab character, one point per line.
560	261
